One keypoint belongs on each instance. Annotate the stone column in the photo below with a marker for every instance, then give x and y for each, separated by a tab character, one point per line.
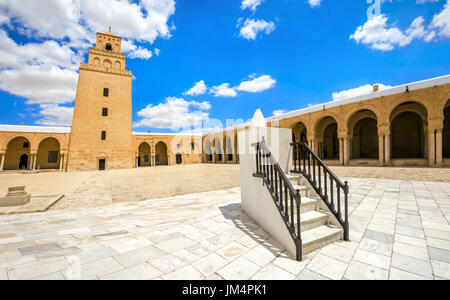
34	162
224	153
3	161
387	149
431	148
341	151
346	152
153	161
439	147
312	144
61	162
380	149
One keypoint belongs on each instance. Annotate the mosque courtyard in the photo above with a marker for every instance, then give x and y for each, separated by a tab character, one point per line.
185	222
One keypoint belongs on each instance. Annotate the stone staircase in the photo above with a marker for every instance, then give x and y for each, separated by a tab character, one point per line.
318	226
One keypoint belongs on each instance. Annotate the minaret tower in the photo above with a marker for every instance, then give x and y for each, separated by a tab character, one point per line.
101	135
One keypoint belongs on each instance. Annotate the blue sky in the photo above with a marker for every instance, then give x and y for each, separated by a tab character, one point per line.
273	54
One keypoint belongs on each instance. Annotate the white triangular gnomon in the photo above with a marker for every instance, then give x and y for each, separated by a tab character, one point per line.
258	119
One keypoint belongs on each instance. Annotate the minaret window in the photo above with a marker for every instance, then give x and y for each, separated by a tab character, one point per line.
105	92
108	47
103	135
105	112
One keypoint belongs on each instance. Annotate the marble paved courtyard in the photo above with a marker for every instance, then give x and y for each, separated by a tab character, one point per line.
399	230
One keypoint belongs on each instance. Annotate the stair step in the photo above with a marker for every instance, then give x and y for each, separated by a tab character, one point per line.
293	176
308	204
301	188
313	219
319	237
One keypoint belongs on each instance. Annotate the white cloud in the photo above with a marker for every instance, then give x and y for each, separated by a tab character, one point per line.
79	20
440	24
48	52
198	89
254	85
314	3
279	112
40	84
223	90
252	28
174	113
377	34
134	51
55	115
251	4
258	84
362	90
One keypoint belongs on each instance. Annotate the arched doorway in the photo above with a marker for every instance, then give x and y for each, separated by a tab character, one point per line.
17	154
229	147
327	137
208	150
446	132
144	155
408	126
299	133
363	134
365	139
218	150
23	163
48	156
330	142
161	157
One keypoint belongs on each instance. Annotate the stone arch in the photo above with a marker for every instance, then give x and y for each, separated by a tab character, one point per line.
363	133
319	121
229	148
107	64
108	47
208	150
161	157
218	152
327	136
414	107
48	154
118	65
403	101
96	61
446	131
349	118
408	130
144	155
16	150
299	132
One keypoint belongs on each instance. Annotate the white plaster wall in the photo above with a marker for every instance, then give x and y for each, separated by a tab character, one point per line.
257	202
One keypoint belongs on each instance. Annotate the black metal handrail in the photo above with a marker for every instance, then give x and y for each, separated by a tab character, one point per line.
307	163
286	198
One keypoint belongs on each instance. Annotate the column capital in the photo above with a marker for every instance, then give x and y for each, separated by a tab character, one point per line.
343	134
436	123
384	129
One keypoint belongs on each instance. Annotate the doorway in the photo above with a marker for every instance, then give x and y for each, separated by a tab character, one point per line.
23	162
102	164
